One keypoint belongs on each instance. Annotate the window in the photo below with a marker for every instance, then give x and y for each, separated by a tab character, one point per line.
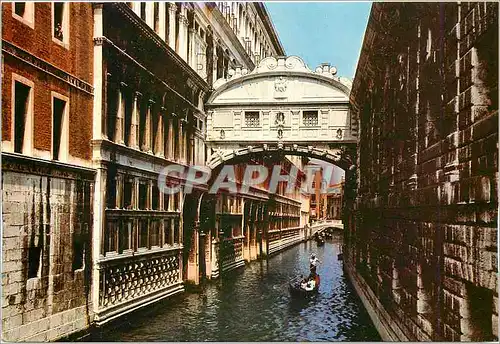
156	198
59	127
143	233
124	239
143	11
143	196
156	14
176	202
127	194
252	118
155	233
19	8
168	232
60	22
34	254
310	118
111	188
78	249
176	238
24	12
22	120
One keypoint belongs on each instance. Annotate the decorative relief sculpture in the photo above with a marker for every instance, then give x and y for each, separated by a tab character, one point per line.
280	85
279	119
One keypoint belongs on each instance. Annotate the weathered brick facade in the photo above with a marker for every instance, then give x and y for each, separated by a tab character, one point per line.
46	217
425	235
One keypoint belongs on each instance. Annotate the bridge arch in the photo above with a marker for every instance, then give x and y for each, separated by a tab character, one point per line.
334	156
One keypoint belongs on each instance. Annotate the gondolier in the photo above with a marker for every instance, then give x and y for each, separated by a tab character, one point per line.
313	263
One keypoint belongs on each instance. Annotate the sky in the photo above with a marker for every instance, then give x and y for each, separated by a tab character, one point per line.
322	31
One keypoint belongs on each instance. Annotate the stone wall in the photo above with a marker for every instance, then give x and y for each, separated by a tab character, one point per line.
425	233
46	226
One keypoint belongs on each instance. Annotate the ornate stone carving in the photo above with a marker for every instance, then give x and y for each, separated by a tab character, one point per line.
280	85
339	133
123	280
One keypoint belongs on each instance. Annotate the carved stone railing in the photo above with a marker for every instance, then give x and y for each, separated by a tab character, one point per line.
279	239
232	253
129	280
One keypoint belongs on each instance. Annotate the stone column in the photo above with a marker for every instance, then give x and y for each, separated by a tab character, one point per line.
120	116
170	143
192	47
182	38
150	14
119	191
148	141
160	134
180	144
134	130
172	10
98	73
98	230
162	20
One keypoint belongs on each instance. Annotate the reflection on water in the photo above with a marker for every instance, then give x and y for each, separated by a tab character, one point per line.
254	304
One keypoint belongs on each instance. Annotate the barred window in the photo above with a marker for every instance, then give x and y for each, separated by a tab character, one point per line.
252	119
310	118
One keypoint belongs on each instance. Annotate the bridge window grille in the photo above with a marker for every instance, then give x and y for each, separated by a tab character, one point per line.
310	118
252	119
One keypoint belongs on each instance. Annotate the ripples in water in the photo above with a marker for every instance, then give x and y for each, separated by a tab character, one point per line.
254	304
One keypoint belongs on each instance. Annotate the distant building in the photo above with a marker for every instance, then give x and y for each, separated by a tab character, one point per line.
326	199
334	201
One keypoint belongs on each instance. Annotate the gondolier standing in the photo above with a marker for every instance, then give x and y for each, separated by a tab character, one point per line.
313	263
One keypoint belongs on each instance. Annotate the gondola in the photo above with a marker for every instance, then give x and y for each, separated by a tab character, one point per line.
297	291
320	241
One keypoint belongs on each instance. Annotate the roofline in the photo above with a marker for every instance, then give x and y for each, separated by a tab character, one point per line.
365	48
266	19
334	83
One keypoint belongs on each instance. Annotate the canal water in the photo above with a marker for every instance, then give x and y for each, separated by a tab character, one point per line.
254	304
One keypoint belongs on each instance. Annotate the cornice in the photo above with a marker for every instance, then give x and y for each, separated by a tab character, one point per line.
147	31
219	18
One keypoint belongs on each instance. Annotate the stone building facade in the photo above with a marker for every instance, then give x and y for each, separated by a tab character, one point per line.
47	175
422	248
154	65
98	98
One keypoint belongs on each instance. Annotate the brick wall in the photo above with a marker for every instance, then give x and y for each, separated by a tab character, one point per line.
75	59
425	237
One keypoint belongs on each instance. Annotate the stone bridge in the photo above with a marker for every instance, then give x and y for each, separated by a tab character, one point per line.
280	107
322	225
